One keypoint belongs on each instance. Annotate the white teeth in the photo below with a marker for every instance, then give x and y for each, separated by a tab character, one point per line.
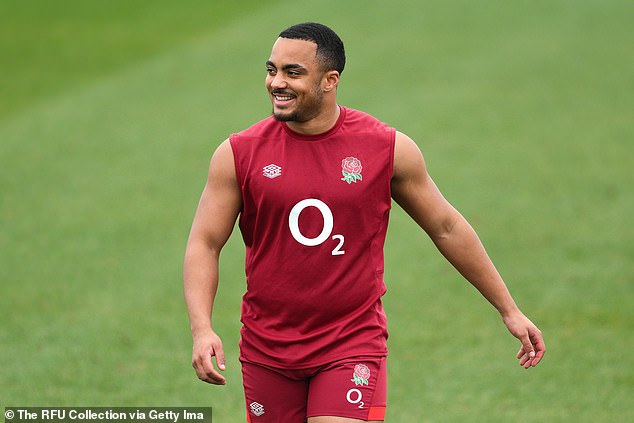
283	98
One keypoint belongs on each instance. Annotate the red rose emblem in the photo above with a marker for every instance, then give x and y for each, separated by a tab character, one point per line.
361	374
351	165
351	170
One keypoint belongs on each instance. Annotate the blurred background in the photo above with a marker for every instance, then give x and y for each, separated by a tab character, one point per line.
110	111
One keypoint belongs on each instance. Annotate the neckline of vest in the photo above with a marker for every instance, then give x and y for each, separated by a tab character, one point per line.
317	137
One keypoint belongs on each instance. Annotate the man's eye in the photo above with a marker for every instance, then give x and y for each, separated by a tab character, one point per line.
270	71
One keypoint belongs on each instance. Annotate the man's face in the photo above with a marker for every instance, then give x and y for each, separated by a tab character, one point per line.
294	80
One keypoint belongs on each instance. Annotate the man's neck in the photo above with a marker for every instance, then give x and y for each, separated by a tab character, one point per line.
318	125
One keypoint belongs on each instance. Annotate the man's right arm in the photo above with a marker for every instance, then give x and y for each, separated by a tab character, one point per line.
218	209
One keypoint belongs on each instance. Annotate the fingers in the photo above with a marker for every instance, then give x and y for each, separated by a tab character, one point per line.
206	371
533	349
525	359
220	358
202	363
529	352
540	348
533	346
210	374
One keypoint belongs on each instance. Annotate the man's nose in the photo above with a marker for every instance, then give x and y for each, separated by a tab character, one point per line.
278	82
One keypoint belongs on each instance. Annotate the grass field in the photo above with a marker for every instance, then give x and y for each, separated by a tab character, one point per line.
110	111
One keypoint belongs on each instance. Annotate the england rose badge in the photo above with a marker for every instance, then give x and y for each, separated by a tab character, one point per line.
351	170
361	375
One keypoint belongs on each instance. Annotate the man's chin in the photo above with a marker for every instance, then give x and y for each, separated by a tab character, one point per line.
285	117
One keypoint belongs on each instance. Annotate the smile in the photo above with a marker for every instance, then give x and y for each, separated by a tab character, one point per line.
283	97
282	100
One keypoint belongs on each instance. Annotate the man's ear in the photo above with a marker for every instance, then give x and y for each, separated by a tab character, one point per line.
331	80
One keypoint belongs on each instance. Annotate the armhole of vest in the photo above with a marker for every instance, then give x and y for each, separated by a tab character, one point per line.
236	159
392	143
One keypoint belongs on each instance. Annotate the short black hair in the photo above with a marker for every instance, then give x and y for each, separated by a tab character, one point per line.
330	49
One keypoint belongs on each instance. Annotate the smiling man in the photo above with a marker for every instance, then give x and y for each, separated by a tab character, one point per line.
312	186
298	94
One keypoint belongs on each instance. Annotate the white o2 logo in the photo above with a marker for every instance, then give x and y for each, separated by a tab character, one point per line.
354	396
326	213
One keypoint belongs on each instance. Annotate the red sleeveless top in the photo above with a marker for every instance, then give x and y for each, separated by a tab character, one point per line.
314	219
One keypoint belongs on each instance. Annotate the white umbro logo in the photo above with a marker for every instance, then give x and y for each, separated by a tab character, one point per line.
256	408
272	171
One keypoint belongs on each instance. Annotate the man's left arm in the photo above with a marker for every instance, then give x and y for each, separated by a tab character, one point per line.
415	191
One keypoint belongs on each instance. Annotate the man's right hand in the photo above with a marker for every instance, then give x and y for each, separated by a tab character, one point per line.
205	347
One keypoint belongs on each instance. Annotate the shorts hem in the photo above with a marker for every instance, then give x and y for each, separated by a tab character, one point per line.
374	414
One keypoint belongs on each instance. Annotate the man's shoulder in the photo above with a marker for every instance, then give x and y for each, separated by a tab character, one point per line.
259	129
363	119
362	122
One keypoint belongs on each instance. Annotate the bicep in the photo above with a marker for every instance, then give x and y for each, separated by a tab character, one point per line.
415	191
220	202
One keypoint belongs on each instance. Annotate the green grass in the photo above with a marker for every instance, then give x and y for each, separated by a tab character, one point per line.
54	47
109	114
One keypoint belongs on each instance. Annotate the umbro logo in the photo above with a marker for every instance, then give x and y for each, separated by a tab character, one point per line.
256	408
272	171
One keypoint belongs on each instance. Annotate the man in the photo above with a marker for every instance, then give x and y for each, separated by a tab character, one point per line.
313	186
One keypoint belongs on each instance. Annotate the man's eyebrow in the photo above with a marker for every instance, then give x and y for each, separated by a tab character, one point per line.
293	66
286	67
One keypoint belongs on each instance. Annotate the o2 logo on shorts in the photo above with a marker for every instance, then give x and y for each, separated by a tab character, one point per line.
354	396
326	213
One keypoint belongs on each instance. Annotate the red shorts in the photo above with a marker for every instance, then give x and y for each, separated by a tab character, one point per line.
354	388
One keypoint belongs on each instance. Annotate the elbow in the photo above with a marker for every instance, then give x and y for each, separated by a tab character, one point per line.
201	247
446	227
